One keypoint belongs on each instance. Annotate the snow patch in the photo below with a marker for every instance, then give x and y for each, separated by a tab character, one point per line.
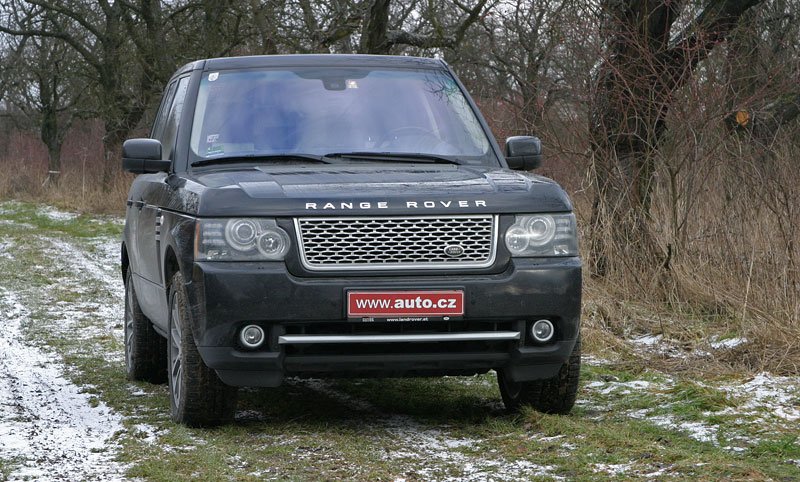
102	266
434	452
95	272
647	340
47	424
17	224
595	361
699	431
696	430
55	214
7	248
769	395
727	344
648	345
612	469
620	388
658	473
145	433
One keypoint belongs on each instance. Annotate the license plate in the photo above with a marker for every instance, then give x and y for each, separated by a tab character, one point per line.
405	305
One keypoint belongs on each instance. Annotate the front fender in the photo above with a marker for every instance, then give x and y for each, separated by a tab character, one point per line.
178	255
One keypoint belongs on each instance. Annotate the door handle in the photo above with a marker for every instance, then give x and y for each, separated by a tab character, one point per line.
139	204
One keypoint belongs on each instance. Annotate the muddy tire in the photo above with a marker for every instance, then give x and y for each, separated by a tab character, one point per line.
145	350
552	395
198	397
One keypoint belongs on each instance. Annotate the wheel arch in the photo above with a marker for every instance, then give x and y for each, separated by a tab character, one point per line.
171	266
124	261
178	249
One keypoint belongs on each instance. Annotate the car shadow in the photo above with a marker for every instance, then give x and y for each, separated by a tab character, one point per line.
382	403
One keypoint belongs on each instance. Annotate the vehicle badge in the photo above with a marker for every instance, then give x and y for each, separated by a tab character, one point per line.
453	250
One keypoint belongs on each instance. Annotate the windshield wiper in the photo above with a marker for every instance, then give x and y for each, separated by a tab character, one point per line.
262	158
394	156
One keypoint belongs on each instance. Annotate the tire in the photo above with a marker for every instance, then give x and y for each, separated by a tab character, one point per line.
198	398
145	350
554	395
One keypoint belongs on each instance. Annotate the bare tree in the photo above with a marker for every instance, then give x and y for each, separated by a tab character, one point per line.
648	56
526	52
266	17
5	59
763	71
97	33
203	28
382	31
45	86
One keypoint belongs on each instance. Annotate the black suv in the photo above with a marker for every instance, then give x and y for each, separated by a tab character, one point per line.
330	216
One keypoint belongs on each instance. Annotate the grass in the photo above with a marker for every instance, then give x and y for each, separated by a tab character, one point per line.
79	189
694	397
416	429
6	466
81	226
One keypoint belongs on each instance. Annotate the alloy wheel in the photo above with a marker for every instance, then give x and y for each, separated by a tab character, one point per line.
175	354
129	321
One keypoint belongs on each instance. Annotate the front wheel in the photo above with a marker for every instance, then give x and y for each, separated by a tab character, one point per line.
197	395
551	395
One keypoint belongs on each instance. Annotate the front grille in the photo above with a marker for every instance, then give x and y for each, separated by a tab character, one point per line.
424	242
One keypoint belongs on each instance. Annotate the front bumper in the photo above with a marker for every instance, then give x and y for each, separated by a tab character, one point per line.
227	296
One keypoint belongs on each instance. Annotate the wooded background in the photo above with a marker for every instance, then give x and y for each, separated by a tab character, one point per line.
672	123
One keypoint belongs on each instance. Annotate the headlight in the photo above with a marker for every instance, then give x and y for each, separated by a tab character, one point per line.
543	235
243	239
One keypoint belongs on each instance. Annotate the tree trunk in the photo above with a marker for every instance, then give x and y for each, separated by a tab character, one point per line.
49	128
644	65
264	22
628	121
531	111
374	39
112	155
620	231
53	165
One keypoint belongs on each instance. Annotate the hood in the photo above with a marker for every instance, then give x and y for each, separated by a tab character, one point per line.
368	190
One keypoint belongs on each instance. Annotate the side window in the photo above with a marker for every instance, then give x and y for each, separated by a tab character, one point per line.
166	102
167	138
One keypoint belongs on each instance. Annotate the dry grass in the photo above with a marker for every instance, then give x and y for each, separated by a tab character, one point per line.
732	221
77	189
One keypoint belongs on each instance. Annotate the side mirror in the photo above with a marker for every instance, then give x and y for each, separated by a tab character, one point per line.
142	156
523	153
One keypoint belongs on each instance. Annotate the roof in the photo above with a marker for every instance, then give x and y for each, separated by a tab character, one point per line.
312	60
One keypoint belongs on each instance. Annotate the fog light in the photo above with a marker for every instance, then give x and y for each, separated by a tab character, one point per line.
542	331
251	336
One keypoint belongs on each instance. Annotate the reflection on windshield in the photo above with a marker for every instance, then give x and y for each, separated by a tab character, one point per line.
318	111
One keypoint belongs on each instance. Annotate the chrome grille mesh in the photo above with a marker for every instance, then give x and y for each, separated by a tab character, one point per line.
397	242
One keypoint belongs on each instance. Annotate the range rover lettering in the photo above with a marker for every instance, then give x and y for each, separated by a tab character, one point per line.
342	216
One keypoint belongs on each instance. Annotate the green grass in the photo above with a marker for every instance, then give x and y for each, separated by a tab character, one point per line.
82	226
696	398
6	466
416	429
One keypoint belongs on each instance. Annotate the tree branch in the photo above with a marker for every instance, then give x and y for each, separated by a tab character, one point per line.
709	28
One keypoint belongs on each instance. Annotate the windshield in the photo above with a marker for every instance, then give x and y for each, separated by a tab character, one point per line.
328	110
